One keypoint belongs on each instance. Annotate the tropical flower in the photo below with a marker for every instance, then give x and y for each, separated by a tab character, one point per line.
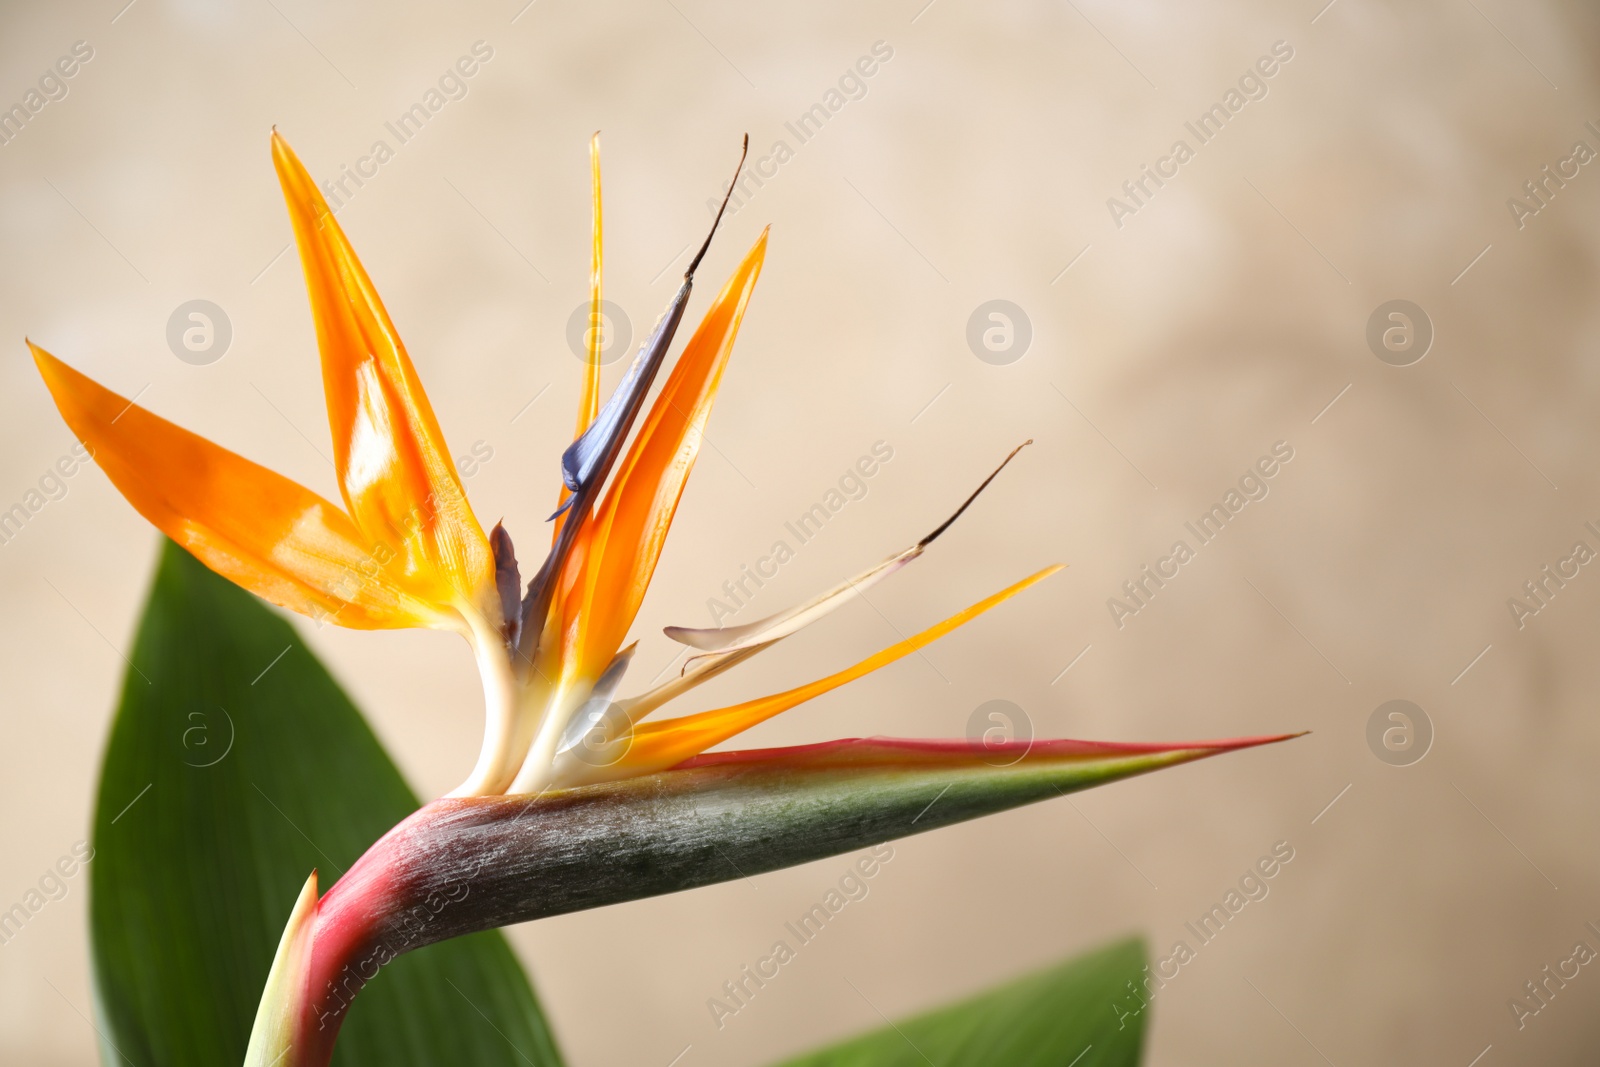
577	798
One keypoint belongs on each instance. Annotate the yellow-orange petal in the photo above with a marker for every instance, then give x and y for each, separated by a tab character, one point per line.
631	524
256	528
656	746
589	398
395	472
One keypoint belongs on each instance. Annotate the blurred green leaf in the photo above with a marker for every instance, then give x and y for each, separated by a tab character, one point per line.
1071	1015
235	766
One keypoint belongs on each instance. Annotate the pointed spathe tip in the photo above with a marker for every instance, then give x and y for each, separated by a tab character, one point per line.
1264	739
1218	746
1260	739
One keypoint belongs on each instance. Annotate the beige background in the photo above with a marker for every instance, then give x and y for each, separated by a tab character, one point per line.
1223	317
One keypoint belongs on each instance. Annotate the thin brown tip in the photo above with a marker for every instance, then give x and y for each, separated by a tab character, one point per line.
965	504
726	196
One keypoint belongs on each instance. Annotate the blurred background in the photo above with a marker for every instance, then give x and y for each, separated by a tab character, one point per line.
982	232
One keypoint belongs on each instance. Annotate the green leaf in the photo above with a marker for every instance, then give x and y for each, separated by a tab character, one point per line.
1077	1014
235	766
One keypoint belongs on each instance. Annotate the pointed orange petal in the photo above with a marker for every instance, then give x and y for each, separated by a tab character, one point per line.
631	523
659	745
399	483
268	534
589	402
589	399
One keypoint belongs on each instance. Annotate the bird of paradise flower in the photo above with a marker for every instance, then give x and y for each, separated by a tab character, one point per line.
576	800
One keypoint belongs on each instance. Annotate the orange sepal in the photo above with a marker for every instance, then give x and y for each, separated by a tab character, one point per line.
631	524
395	472
658	745
256	528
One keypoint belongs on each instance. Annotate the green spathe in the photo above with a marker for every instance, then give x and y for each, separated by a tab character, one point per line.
476	863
